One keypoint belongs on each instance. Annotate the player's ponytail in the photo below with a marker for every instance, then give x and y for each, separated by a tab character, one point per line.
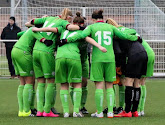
78	19
97	14
112	22
66	12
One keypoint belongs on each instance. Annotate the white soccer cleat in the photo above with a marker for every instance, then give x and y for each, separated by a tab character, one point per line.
77	114
142	113
110	115
139	113
66	115
101	115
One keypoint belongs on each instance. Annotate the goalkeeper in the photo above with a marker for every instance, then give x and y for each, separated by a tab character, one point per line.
133	70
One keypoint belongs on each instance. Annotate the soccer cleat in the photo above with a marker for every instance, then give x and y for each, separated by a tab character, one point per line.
84	110
34	111
110	115
20	114
55	111
114	110
66	115
142	113
101	115
139	113
77	114
135	114
27	114
119	110
105	111
50	114
39	114
124	114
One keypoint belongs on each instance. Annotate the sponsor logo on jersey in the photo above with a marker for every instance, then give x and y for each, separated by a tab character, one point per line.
114	77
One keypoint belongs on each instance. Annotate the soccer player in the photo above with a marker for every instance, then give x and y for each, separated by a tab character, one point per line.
103	64
135	67
149	73
22	60
68	67
44	60
85	66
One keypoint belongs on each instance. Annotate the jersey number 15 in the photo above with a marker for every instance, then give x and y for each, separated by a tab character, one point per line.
106	37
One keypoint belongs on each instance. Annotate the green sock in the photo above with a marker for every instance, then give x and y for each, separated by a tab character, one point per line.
144	92
71	93
49	95
64	99
99	97
140	102
20	97
84	96
33	99
27	97
40	96
77	93
114	89
121	96
110	99
54	96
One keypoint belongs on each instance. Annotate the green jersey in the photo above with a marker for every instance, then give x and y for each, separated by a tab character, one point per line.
133	32
20	34
69	50
27	40
127	30
103	34
49	22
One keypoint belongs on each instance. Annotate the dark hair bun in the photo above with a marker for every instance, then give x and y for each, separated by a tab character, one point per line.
78	14
100	12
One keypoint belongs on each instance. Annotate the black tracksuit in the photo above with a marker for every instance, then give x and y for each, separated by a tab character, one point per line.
10	33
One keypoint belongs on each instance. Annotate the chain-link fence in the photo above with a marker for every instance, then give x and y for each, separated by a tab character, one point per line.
149	23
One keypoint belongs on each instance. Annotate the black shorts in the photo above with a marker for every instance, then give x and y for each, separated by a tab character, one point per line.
136	65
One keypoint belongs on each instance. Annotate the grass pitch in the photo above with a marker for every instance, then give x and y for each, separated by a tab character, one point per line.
154	109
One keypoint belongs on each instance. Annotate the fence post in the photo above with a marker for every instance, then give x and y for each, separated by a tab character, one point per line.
12	8
84	11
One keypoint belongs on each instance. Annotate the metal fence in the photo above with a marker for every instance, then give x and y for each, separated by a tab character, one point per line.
148	21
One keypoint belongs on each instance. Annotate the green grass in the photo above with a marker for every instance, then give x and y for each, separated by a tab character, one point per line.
154	109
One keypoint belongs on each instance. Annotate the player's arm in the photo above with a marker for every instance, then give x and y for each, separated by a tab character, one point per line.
48	29
93	42
36	21
86	32
20	34
66	25
124	36
129	31
39	37
45	29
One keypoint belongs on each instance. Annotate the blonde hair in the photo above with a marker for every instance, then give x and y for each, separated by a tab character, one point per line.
66	12
112	22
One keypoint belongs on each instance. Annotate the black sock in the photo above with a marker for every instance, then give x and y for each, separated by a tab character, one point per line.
137	93
128	98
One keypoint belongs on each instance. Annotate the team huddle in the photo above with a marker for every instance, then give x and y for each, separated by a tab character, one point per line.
54	50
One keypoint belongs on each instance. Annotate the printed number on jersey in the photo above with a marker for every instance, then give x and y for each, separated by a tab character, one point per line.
106	37
45	25
66	33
